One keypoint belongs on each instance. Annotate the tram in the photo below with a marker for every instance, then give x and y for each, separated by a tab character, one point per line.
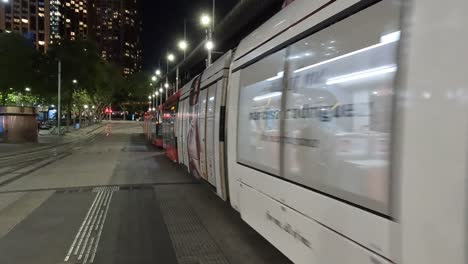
335	133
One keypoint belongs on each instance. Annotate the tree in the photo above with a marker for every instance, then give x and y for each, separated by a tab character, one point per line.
135	91
16	65
80	61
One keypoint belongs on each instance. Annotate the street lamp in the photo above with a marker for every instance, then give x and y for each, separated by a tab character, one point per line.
75	81
207	23
183	45
161	90
170	57
166	85
205	20
154	78
158	72
27	89
209	45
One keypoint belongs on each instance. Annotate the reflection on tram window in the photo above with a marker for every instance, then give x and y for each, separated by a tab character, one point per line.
259	108
337	109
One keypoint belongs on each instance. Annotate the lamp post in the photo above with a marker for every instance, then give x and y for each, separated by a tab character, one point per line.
183	45
170	58
206	22
149	103
59	114
161	90
157	99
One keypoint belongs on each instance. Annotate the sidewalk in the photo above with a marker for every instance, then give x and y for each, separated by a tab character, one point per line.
46	140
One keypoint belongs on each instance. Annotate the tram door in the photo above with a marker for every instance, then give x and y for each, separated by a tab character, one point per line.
185	129
180	131
210	133
202	132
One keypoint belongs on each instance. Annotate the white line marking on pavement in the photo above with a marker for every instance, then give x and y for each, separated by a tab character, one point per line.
101	227
82	225
87	239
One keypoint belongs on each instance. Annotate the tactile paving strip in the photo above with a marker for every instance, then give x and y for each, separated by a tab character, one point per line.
192	242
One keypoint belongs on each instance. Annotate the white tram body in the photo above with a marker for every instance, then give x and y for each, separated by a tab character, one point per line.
316	130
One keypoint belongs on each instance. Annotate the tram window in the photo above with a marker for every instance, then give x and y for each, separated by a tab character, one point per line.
259	112
339	107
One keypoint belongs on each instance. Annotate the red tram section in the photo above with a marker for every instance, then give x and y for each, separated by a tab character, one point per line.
169	114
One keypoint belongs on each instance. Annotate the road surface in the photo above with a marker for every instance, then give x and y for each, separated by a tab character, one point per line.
114	199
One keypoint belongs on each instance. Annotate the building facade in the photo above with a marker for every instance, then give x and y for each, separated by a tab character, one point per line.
116	28
113	24
68	20
28	17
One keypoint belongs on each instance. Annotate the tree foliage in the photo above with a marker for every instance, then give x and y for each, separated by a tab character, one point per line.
98	83
16	64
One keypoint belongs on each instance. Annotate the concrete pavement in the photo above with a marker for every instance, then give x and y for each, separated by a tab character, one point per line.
46	140
114	199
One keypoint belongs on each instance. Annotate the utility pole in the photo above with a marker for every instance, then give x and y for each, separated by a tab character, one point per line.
210	32
177	79
59	114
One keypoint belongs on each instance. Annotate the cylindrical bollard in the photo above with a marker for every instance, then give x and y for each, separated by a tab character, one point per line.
18	124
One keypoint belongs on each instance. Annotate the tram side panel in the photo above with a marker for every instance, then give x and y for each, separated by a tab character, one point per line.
210	131
186	124
314	148
202	103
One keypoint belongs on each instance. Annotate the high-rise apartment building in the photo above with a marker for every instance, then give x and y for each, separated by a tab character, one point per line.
45	21
68	20
116	27
113	24
28	17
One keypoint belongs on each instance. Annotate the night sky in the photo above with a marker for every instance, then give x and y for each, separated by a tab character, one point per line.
163	26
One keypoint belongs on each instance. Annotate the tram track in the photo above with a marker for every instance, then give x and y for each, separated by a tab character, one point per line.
18	165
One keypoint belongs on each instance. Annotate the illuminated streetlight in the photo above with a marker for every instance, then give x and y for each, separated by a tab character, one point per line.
209	45
149	97
27	89
205	20
154	78
161	90
170	57
5	1
157	93
75	81
183	45
158	72
166	85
